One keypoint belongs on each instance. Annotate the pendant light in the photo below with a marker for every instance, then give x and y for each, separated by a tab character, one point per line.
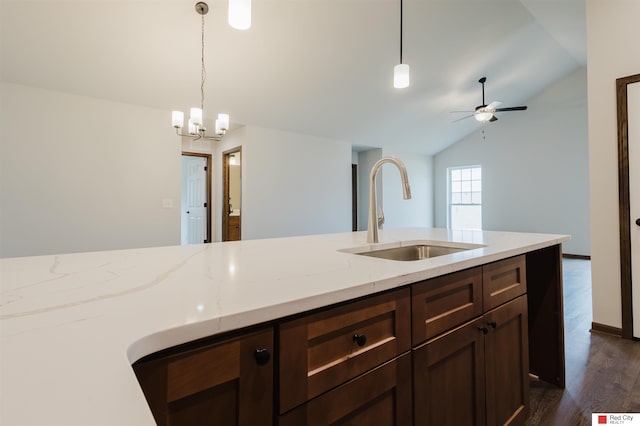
241	12
401	71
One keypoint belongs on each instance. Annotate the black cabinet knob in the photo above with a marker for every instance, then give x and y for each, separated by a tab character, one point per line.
485	330
360	339
638	221
493	324
262	356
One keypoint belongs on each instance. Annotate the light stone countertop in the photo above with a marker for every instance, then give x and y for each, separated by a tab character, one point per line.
71	325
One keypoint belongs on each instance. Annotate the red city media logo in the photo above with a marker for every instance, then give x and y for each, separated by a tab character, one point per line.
602	420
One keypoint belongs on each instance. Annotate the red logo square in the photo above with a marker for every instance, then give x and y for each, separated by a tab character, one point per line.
602	420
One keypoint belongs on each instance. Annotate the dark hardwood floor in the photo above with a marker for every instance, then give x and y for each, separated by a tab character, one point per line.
603	371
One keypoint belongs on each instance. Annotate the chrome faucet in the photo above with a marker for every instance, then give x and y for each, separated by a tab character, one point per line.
374	220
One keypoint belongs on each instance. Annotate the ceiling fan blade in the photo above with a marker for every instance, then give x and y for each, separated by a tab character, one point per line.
494	118
493	105
462	118
518	108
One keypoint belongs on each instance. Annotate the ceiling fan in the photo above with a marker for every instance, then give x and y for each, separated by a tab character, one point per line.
484	112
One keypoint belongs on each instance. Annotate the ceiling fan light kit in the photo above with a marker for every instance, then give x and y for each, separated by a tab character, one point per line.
239	18
482	115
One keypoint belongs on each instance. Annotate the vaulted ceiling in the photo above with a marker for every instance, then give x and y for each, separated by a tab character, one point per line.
317	67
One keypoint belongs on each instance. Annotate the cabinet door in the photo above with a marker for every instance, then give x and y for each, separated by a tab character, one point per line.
226	383
449	378
381	397
445	302
507	363
321	351
503	280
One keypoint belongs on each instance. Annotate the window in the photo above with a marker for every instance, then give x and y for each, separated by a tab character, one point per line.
465	197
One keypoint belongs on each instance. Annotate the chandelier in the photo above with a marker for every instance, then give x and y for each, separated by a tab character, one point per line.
240	18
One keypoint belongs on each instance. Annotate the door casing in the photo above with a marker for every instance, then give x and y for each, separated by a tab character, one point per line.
225	191
625	204
208	185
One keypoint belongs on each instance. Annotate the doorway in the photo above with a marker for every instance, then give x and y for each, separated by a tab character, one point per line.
232	194
354	197
195	216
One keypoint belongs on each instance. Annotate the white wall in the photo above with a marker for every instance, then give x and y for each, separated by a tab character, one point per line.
83	174
418	211
366	160
534	166
612	52
292	184
399	213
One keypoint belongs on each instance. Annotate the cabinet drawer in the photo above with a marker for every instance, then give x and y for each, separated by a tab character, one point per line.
321	351
442	303
380	397
504	280
219	383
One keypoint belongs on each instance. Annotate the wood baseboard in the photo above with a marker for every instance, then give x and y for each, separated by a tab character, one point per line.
576	256
606	329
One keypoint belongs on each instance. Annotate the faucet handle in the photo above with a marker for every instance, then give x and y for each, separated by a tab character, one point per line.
381	217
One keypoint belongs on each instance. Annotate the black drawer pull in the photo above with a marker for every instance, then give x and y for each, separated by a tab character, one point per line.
493	324
262	356
360	339
485	330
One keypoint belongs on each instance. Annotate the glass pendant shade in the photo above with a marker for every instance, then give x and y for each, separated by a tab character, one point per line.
192	128
224	121
196	116
401	76
177	119
240	14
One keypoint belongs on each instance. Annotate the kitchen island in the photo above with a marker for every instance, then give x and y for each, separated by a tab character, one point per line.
71	326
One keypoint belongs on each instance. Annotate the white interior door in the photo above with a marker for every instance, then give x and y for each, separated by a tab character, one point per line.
194	199
633	108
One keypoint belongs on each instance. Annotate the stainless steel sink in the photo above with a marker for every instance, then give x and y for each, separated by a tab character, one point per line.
412	252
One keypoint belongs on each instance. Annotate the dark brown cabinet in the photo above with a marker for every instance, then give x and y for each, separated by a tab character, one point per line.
321	351
224	383
380	397
445	302
507	363
503	280
449	377
233	228
451	350
477	372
